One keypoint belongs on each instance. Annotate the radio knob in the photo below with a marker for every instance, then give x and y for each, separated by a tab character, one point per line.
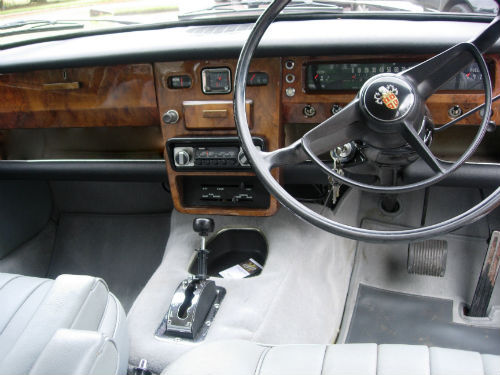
182	157
170	117
242	159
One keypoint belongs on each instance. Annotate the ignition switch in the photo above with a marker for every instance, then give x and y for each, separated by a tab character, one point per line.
344	153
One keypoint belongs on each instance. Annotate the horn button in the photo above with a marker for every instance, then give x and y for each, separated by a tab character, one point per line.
387	98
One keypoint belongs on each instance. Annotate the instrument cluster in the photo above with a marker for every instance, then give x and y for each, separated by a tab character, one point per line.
351	76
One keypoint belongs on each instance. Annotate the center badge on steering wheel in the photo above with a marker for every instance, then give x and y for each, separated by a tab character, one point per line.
388	96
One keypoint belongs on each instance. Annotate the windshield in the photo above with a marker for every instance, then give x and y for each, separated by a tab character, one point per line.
22	20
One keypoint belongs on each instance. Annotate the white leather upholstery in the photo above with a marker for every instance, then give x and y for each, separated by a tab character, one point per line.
33	310
248	358
77	352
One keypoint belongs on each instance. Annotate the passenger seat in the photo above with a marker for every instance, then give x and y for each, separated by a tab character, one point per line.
71	325
238	357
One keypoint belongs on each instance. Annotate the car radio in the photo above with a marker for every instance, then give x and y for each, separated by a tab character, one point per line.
209	153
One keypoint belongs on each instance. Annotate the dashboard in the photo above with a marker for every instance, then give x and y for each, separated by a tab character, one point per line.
175	104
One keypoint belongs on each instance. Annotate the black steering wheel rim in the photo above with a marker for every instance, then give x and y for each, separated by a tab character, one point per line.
262	166
438	176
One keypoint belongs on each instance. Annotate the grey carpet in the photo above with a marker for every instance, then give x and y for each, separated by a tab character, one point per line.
298	298
386	317
124	250
32	257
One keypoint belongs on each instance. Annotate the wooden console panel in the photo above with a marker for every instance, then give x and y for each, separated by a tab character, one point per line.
122	95
263	103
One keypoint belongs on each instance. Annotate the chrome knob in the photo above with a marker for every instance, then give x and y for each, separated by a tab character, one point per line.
170	117
182	157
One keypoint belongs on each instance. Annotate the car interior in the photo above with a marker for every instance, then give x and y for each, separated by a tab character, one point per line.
288	192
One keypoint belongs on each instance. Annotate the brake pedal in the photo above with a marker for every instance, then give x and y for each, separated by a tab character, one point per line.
427	257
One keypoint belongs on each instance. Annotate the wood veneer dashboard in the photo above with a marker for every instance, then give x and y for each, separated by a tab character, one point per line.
264	112
136	96
438	104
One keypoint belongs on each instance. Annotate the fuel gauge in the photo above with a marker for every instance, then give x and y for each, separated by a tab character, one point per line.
471	78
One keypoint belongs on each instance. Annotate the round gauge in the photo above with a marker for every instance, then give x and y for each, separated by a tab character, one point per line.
471	78
320	77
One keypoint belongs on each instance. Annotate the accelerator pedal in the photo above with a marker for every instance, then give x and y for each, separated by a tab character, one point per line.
427	257
487	279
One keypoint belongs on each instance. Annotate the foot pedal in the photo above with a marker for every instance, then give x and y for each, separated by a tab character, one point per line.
487	279
427	257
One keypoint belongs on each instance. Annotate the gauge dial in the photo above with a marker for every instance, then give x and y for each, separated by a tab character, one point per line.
216	80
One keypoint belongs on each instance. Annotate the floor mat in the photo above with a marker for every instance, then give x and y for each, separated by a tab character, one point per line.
386	317
124	250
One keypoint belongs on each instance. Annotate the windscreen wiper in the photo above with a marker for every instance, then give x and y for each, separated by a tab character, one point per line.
34	26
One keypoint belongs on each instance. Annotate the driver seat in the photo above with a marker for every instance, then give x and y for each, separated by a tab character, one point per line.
238	357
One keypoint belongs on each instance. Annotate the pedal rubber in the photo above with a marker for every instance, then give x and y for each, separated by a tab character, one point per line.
427	257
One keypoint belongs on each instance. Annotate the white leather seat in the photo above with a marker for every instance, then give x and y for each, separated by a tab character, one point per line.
247	358
71	325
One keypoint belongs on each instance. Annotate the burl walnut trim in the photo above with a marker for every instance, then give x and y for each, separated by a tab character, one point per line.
265	112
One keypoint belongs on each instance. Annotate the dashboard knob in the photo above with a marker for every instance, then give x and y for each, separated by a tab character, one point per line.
170	117
182	157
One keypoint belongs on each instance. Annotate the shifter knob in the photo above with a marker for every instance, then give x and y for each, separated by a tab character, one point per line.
203	226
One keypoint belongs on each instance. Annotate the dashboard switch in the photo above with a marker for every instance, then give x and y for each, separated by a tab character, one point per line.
455	111
309	111
336	108
179	82
170	117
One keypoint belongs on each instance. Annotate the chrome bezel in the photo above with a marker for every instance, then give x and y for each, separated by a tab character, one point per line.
204	81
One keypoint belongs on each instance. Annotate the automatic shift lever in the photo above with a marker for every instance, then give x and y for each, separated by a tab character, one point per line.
203	227
193	303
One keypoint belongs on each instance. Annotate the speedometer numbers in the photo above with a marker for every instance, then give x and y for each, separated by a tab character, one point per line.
352	76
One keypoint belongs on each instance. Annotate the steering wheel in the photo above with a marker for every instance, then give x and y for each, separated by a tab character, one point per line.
389	113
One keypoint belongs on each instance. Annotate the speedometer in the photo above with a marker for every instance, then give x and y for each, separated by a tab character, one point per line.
352	76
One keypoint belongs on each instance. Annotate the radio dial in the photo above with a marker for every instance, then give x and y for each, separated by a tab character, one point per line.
182	157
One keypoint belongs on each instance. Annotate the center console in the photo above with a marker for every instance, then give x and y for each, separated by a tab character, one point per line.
208	171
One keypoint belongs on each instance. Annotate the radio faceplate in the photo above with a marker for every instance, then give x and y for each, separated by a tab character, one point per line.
209	153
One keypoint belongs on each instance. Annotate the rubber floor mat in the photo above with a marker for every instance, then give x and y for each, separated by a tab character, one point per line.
124	250
385	317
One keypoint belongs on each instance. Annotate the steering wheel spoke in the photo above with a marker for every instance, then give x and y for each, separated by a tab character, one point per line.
430	75
337	130
289	155
411	136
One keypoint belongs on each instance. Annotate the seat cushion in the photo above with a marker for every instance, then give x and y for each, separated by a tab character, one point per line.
247	358
34	309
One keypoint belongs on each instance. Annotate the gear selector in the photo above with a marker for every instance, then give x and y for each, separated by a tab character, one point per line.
196	299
